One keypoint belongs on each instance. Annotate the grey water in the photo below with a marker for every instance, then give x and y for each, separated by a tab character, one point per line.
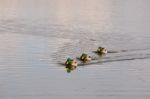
37	36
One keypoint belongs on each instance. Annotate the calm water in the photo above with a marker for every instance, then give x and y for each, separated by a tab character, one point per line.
37	35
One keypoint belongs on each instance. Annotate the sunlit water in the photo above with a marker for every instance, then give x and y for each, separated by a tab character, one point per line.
36	37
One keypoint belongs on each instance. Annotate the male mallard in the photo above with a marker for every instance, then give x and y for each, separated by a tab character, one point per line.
71	62
102	50
84	57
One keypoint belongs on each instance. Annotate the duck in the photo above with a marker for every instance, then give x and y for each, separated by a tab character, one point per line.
102	50
71	62
85	57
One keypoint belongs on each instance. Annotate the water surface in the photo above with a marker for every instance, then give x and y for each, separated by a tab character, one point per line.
37	35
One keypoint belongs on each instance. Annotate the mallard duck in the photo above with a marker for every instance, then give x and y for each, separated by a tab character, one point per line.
71	62
102	50
84	57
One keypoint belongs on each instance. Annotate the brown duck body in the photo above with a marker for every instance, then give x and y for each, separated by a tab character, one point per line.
84	57
102	50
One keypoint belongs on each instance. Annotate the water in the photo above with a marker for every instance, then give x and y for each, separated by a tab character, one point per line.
36	36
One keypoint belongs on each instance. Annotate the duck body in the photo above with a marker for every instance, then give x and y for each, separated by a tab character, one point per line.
71	62
84	57
102	50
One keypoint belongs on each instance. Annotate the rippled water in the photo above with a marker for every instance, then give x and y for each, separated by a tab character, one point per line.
36	37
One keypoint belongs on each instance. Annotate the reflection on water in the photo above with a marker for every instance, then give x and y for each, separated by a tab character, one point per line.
37	35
